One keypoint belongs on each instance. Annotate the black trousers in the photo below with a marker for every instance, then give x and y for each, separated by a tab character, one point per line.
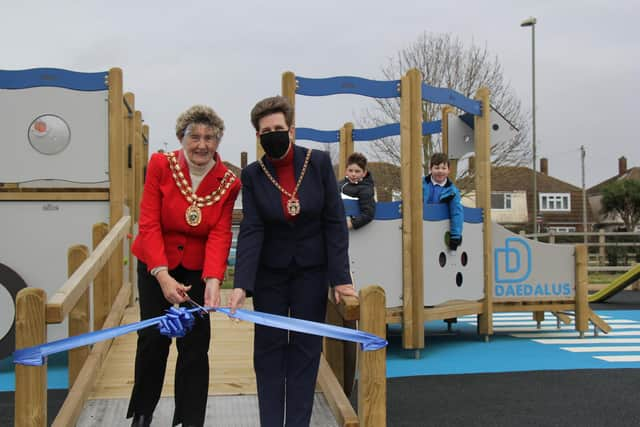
286	363
192	366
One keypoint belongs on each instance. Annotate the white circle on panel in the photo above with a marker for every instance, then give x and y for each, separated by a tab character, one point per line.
7	311
49	134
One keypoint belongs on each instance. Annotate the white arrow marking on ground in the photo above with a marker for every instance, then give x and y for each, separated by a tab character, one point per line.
619	358
569	341
574	333
602	349
563	327
553	322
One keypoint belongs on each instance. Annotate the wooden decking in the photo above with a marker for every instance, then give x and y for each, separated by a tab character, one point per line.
230	356
232	386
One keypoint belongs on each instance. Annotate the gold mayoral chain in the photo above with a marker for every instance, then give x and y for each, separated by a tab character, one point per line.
193	214
293	204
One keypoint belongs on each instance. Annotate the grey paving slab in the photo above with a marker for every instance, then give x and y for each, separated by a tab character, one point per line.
222	411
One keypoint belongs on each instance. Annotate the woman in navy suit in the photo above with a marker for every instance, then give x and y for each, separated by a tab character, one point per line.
292	246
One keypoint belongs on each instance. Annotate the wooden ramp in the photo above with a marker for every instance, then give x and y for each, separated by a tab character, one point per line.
232	386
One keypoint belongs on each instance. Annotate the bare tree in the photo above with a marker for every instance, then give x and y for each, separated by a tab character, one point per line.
445	62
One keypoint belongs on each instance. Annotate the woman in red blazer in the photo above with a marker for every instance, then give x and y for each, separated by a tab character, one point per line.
182	249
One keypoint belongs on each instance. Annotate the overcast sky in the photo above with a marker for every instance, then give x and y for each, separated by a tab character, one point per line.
229	54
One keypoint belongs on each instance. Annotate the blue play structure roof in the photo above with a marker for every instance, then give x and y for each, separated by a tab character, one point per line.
431	212
53	77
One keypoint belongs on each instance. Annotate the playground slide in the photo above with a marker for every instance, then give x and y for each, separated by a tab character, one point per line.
617	285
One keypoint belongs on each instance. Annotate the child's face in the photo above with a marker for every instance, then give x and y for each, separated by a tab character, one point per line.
355	173
439	172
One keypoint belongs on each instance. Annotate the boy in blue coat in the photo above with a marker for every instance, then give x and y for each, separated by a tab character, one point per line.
438	188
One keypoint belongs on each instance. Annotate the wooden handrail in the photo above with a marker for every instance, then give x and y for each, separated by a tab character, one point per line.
61	303
77	396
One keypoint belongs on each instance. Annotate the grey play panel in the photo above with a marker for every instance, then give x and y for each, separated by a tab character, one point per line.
222	411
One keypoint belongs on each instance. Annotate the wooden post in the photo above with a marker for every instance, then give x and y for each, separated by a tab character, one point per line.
372	383
334	349
145	154
134	205
131	135
411	184
582	285
79	315
538	317
31	381
289	85
552	236
483	200
346	146
138	168
77	395
101	297
117	172
129	143
405	185
453	163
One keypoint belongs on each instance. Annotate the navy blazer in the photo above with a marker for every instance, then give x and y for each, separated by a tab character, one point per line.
317	237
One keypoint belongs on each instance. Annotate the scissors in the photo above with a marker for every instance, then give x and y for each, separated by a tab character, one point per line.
195	304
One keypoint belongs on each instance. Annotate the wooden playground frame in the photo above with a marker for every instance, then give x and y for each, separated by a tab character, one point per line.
412	314
128	154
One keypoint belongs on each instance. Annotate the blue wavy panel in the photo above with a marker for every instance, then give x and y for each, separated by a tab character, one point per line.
53	77
370	134
441	95
431	212
440	211
309	134
384	210
429	128
348	84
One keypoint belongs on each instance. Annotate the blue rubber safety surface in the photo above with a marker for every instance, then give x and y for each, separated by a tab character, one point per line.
517	346
57	373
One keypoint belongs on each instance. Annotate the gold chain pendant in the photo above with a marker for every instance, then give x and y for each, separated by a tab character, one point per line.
293	204
193	215
293	207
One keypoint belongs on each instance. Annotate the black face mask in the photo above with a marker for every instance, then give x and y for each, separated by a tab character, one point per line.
275	144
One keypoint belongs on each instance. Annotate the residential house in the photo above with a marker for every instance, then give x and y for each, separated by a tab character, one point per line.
560	204
595	196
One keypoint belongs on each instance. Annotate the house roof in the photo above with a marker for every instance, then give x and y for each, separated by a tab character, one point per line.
520	178
631	173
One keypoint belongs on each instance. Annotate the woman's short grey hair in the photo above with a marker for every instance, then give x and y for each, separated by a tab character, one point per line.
199	114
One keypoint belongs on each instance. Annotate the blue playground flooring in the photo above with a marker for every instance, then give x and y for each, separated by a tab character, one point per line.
57	373
515	346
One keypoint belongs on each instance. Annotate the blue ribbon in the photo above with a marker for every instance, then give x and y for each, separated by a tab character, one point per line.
177	322
366	340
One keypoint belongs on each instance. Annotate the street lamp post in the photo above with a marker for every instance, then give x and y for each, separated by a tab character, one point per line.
531	22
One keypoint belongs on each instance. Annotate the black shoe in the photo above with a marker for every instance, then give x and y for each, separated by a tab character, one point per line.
141	421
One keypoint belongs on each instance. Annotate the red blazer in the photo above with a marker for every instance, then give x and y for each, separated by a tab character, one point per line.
165	238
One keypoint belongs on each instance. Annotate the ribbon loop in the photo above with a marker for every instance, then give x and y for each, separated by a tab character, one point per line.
176	323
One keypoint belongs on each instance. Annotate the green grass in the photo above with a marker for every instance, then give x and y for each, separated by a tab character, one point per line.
602	277
227	283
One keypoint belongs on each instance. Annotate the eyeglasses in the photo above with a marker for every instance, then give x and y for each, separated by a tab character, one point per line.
195	138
